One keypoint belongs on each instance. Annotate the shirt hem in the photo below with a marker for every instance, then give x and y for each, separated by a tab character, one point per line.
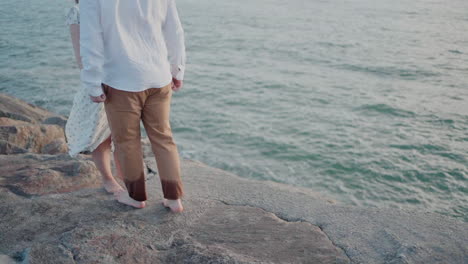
120	87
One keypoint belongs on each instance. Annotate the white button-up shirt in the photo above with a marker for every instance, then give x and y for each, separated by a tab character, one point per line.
131	45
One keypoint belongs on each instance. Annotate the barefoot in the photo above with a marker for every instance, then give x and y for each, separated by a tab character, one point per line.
123	197
111	186
174	205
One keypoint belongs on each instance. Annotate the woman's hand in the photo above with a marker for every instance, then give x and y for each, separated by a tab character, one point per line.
98	99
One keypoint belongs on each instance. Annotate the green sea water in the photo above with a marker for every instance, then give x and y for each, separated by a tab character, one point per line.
365	101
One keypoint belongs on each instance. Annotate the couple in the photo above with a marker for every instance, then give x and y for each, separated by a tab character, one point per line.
132	57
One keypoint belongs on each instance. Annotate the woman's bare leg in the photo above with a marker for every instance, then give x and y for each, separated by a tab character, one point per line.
102	159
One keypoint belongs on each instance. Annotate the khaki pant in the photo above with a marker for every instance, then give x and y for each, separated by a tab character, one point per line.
124	111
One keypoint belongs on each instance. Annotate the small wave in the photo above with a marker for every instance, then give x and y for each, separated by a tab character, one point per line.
338	45
420	148
411	13
455	51
185	130
449	123
432	150
455	121
386	110
393	72
458	98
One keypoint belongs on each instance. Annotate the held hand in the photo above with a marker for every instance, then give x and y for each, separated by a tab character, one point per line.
177	84
98	99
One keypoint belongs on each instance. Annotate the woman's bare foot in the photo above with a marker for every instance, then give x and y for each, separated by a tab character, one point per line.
123	197
174	205
111	186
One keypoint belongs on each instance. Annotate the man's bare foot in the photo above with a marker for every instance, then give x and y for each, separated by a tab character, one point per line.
174	205
123	197
111	186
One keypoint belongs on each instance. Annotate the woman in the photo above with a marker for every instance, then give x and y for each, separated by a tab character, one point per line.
87	128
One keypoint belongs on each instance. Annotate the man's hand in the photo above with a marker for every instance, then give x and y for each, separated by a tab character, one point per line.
98	99
176	84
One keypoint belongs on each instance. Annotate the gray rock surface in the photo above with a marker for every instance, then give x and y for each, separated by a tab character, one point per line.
56	146
33	137
17	109
53	210
56	120
32	174
28	128
10	148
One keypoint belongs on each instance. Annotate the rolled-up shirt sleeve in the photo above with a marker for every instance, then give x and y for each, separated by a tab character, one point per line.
91	47
175	42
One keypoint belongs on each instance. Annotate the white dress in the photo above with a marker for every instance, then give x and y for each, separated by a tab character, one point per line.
87	125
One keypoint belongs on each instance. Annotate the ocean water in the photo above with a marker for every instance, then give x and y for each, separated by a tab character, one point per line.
365	101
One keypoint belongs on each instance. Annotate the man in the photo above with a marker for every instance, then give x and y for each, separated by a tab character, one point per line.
133	56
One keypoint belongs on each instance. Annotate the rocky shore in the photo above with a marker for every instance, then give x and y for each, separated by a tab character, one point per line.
53	210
